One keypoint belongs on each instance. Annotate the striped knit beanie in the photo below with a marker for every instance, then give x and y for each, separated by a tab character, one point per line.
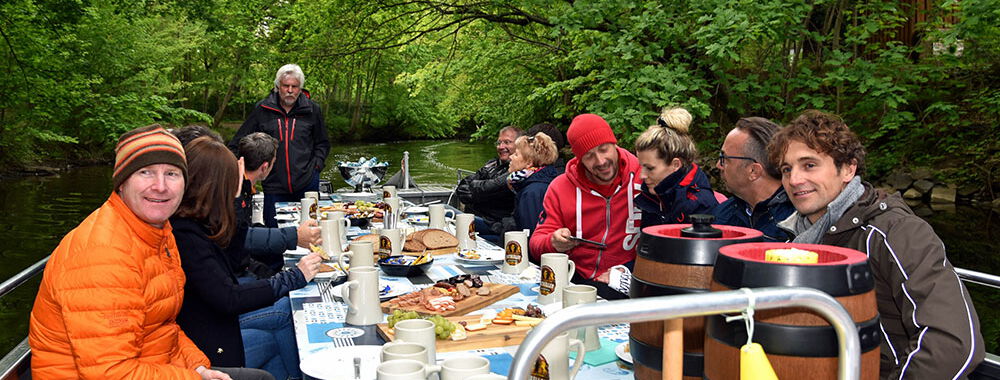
587	131
146	146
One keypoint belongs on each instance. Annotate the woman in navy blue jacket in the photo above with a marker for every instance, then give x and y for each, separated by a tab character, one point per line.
673	187
204	226
531	170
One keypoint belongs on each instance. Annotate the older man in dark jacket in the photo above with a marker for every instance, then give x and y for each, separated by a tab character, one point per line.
929	326
485	192
297	122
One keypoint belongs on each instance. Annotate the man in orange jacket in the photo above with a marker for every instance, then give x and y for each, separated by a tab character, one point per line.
112	288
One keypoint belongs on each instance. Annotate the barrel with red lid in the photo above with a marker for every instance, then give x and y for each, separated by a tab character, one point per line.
799	342
675	259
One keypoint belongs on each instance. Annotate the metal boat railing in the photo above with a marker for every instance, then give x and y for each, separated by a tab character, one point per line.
980	278
17	359
693	305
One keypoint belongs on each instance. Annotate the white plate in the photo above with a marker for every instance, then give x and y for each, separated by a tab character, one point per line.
625	356
416	210
286	217
418	219
287	209
486	257
395	289
337	363
331	274
298	252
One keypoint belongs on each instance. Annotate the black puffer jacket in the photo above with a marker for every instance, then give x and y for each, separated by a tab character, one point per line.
302	141
263	247
485	192
214	300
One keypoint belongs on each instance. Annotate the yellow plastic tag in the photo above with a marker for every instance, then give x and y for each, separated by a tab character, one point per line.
754	364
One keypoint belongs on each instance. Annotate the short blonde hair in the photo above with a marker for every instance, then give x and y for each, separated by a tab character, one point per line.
669	137
539	150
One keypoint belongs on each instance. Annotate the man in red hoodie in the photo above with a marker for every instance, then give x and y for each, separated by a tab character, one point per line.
592	200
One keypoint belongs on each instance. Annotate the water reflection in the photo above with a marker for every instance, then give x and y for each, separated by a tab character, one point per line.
37	212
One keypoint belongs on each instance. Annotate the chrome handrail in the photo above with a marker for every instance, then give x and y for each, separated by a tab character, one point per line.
17	357
980	278
23	276
692	305
14	359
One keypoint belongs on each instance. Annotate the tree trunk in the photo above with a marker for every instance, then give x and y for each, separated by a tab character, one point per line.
356	114
224	102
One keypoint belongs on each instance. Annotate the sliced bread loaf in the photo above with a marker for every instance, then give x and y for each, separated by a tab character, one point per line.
435	239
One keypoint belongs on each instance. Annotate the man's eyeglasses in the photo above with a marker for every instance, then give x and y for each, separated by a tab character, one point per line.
504	142
723	157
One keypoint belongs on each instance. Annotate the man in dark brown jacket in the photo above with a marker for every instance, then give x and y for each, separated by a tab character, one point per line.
929	326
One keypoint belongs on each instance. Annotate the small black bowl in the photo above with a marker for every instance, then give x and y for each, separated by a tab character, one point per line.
399	266
360	222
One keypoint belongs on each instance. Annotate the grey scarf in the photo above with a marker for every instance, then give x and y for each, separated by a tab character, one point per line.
809	233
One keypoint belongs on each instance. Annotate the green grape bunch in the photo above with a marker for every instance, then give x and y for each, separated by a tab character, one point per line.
442	326
400	315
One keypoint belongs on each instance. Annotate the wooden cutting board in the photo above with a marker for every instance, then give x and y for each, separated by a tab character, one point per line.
465	306
435	252
492	336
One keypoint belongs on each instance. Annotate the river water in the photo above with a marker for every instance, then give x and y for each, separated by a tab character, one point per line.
38	211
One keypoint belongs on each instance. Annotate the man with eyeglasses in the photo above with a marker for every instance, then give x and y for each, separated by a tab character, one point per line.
759	201
485	192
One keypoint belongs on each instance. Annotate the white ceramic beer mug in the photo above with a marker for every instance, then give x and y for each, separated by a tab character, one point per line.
361	254
330	232
360	293
405	369
388	191
515	246
419	331
390	243
345	222
439	216
464	367
404	350
555	359
307	209
313	195
580	294
556	269
465	231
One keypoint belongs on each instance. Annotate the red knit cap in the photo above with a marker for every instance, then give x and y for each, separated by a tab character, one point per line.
587	131
146	146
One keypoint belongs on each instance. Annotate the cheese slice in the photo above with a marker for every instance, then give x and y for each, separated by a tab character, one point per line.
791	255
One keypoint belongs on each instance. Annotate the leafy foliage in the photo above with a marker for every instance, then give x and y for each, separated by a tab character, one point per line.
396	69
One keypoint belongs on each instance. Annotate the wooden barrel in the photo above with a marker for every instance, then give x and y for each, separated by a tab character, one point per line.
671	262
799	343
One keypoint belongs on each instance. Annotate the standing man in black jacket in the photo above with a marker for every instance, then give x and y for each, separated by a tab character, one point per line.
297	122
485	192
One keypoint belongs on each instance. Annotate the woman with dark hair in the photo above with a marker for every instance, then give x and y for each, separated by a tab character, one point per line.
531	170
673	187
204	226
